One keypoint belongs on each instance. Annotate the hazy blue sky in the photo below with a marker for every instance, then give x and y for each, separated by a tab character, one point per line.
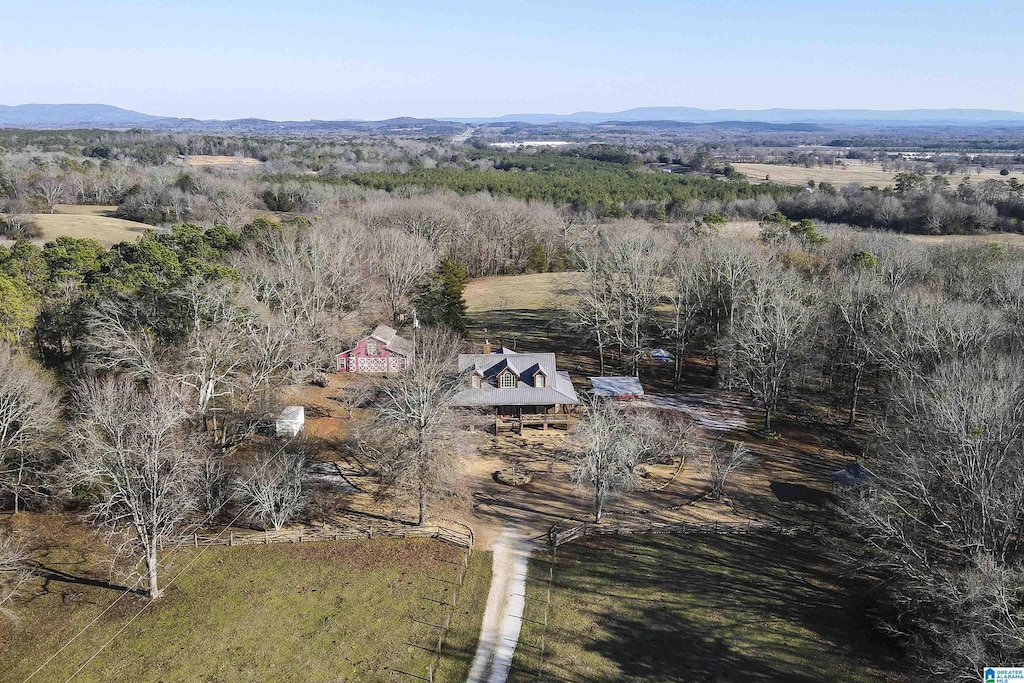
299	59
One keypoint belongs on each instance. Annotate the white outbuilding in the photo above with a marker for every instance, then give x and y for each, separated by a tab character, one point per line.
291	421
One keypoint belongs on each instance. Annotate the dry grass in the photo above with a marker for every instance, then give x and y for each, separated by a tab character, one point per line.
854	172
663	608
307	612
539	290
200	160
93	222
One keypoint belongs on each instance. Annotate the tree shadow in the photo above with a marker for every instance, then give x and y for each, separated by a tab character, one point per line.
787	492
51	574
723	608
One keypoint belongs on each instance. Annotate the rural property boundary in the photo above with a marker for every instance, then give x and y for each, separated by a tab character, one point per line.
447	534
562	532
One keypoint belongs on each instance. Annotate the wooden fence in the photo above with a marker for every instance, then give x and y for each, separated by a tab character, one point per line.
561	532
462	538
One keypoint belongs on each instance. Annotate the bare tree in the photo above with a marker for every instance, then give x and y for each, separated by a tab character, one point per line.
135	449
610	443
941	527
51	191
594	302
399	260
357	392
412	438
14	572
766	334
689	294
29	419
721	461
272	487
636	261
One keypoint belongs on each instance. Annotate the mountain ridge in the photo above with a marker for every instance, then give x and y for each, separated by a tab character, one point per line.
109	116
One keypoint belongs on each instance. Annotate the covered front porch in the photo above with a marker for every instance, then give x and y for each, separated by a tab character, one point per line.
516	418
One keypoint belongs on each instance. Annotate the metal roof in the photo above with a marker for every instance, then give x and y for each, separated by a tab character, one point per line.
853	475
525	366
395	343
617	386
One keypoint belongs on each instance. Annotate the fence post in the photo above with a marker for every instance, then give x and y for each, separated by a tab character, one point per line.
231	538
195	539
266	537
370	533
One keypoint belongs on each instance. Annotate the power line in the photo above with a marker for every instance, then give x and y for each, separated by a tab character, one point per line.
177	547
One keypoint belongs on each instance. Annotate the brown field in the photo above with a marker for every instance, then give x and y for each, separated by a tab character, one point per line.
749	230
95	222
199	160
854	172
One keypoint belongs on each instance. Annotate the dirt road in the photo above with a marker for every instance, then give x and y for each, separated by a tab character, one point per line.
504	611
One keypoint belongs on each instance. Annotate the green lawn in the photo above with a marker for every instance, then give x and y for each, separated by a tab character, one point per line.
687	608
307	612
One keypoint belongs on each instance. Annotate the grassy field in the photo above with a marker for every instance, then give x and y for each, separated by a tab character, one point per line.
199	160
308	612
96	222
854	172
722	609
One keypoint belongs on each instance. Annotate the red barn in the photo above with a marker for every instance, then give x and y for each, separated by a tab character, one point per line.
382	351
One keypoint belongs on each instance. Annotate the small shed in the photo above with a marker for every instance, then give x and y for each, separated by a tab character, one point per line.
291	421
851	477
622	388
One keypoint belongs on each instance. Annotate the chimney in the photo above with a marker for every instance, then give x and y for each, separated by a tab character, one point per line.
487	346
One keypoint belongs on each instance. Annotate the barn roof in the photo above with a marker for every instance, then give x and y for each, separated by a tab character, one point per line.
558	388
617	386
391	338
395	343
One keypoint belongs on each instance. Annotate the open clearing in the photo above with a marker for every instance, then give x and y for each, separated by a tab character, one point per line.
322	611
92	222
854	172
707	608
199	160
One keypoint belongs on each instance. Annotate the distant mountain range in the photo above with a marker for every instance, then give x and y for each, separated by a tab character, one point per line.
785	116
65	116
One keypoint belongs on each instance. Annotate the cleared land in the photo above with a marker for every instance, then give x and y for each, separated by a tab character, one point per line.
93	222
303	612
665	608
854	172
198	160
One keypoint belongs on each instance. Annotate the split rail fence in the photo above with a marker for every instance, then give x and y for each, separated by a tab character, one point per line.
561	532
448	534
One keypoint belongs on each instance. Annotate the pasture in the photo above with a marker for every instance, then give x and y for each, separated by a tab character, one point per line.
707	608
322	611
87	222
852	171
221	161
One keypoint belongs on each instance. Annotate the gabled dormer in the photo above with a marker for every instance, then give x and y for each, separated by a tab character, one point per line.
507	378
476	380
540	378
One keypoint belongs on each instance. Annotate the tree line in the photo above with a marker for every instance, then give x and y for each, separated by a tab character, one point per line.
918	349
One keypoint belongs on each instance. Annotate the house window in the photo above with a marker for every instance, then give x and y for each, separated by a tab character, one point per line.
507	381
371	347
341	362
539	381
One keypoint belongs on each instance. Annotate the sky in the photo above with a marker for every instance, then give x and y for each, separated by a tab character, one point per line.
375	59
